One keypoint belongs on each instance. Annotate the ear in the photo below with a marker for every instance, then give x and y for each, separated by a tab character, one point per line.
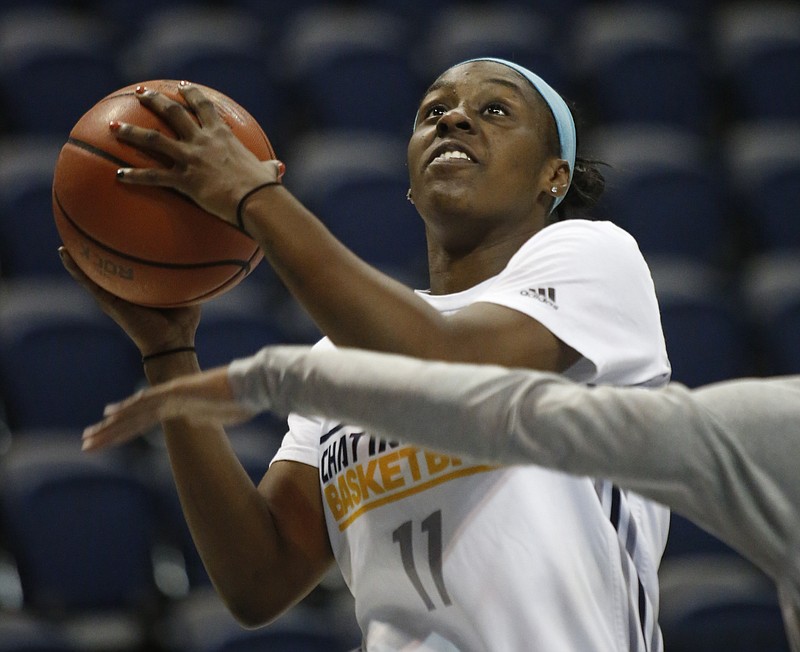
553	182
558	179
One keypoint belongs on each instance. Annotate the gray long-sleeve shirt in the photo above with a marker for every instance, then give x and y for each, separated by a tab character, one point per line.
726	456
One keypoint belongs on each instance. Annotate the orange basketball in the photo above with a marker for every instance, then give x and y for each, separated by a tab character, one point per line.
148	245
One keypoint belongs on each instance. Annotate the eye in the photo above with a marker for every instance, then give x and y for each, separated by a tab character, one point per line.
495	108
435	111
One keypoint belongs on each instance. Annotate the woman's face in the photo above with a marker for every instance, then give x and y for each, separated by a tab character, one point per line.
479	147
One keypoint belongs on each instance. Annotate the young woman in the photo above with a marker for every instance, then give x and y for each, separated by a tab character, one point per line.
439	554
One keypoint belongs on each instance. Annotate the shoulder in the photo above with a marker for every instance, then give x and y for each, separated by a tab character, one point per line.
599	246
580	237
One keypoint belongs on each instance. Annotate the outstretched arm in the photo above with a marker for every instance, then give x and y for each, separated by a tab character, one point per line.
723	455
700	452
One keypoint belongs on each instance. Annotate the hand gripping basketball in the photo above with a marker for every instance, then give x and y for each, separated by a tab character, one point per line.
158	240
209	164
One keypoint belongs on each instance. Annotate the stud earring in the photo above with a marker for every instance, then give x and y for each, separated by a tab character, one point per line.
554	190
408	196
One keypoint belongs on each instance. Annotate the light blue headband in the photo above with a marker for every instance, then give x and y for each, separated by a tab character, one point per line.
558	107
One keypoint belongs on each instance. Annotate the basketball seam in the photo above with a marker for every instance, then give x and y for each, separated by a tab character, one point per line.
101	153
242	264
92	149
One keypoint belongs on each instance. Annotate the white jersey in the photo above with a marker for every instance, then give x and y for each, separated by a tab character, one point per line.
442	554
724	455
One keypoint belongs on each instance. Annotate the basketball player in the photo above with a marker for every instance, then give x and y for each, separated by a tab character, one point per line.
724	455
439	554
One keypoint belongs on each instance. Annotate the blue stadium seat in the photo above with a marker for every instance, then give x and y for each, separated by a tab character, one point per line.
61	359
276	13
514	32
237	324
771	285
81	531
764	169
223	48
758	52
642	64
54	65
687	539
702	317
127	16
356	183
24	632
28	236
662	187
695	10
349	68
202	624
719	604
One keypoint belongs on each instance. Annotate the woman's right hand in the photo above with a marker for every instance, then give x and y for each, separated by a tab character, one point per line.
152	329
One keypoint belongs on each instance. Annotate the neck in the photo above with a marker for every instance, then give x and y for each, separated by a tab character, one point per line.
455	270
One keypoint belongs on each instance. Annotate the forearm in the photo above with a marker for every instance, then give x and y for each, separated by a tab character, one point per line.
229	519
395	397
351	302
664	444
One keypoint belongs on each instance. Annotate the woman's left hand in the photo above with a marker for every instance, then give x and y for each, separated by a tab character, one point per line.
209	163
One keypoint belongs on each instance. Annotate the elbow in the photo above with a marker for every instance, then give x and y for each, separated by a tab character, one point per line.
251	605
250	613
250	619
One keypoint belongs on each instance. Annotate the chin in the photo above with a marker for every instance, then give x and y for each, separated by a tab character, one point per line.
447	198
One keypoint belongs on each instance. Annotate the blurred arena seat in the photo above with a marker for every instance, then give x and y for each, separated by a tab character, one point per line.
515	32
61	360
23	632
349	68
688	540
695	10
718	604
202	624
758	48
237	324
54	65
28	236
81	531
764	169
220	47
661	186
356	182
771	286
640	63
702	317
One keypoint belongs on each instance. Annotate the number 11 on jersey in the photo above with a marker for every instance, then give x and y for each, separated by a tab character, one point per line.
403	536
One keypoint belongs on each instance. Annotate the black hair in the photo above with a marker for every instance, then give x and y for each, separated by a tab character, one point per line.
588	182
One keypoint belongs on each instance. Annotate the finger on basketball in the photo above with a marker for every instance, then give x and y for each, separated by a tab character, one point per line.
150	140
172	112
148	177
200	104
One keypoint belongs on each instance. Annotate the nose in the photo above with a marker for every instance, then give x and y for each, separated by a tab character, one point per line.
454	119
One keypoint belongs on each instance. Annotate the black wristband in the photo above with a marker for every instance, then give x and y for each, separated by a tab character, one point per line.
159	354
247	195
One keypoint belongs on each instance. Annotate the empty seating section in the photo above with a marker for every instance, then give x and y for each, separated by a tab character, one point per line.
693	105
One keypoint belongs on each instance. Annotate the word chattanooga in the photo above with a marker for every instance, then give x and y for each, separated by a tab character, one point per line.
359	472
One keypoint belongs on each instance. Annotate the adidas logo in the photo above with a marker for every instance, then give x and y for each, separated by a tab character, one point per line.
545	295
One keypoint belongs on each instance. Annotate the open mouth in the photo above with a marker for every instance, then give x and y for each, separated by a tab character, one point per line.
451	153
